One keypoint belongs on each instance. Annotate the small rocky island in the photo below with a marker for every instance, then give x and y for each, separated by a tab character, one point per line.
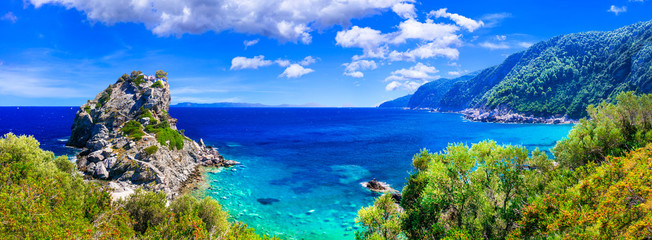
128	138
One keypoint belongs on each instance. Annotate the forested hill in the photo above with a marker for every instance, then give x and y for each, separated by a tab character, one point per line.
560	76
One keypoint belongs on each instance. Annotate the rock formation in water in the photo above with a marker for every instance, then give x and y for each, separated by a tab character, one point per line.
127	137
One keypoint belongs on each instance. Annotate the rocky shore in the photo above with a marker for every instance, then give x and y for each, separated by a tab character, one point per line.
507	116
128	138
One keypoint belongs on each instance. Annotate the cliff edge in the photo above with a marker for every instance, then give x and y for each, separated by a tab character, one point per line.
127	137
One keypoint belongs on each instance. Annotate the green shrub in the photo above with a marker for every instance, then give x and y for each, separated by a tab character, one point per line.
151	149
133	129
87	109
135	73
161	74
139	80
613	129
144	112
41	198
157	84
476	192
165	135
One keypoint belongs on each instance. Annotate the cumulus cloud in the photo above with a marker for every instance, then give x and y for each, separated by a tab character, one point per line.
295	71
9	17
435	39
404	10
353	69
366	38
307	61
501	37
238	63
410	78
470	24
285	20
282	62
617	10
249	43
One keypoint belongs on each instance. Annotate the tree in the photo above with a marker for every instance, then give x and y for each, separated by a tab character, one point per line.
613	129
380	221
161	74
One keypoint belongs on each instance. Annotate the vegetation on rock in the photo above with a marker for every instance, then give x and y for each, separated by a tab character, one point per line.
133	129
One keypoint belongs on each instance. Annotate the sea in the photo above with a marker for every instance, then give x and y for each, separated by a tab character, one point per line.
302	167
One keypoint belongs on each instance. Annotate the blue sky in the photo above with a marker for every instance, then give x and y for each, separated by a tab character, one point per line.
333	53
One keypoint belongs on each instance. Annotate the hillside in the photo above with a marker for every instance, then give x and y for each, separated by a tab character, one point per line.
554	78
401	102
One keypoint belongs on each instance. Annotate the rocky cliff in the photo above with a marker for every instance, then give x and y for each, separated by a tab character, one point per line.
127	137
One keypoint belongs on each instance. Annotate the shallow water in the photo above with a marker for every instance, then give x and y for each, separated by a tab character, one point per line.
302	168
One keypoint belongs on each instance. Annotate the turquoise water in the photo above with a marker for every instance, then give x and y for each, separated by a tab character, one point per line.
302	168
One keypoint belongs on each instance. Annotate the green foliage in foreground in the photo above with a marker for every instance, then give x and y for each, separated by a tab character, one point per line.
41	197
614	129
496	192
133	129
613	201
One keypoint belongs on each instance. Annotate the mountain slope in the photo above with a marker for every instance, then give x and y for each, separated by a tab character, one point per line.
430	94
554	78
563	75
401	102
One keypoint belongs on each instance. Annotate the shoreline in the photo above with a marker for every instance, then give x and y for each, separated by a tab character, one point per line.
506	116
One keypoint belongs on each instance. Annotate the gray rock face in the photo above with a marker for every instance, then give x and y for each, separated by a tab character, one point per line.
110	154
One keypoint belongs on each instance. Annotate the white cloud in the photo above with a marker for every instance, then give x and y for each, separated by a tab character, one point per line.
282	62
238	63
9	17
411	78
501	37
617	10
295	71
404	10
30	83
470	24
494	46
285	20
435	39
307	61
524	44
249	43
494	19
366	38
444	34
353	69
454	73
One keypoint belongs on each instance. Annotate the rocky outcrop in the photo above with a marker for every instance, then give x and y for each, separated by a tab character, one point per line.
377	186
128	138
506	116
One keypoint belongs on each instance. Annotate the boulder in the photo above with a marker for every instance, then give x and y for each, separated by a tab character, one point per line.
95	156
100	171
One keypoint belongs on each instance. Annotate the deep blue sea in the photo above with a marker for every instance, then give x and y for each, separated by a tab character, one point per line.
302	167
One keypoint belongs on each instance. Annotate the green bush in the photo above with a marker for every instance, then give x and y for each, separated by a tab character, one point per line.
161	74
139	80
41	198
133	129
165	135
613	129
157	84
151	149
144	112
87	109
